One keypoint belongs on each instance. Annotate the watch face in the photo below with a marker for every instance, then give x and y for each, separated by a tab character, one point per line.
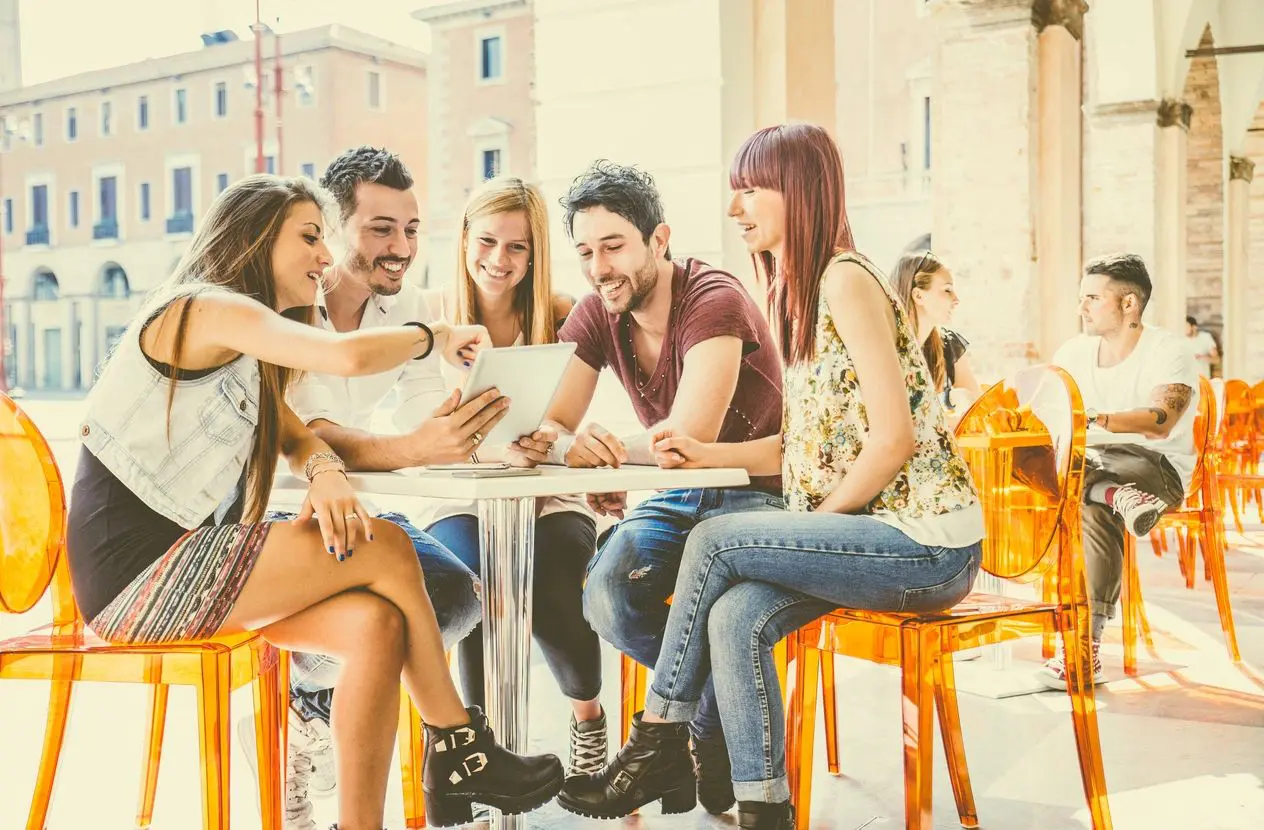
1092	415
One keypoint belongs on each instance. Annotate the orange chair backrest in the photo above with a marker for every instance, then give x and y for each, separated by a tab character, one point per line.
32	511
1239	423
1207	427
1030	494
1257	394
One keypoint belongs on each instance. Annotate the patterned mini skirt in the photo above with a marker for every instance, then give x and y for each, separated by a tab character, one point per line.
188	592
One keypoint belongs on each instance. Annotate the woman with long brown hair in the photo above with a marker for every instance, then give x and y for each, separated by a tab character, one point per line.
881	512
166	536
926	287
504	283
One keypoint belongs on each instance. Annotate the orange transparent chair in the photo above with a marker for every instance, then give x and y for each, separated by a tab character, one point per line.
33	561
1024	442
1199	523
1241	440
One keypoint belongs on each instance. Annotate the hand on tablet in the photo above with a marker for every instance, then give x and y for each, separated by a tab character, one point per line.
459	345
596	446
451	433
533	449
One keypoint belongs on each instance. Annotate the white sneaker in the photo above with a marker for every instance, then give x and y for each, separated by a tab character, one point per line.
1139	510
1053	672
310	764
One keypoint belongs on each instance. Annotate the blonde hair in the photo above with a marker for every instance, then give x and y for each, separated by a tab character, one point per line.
533	297
918	270
232	251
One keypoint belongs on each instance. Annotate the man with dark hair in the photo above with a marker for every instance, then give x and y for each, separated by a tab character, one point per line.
1201	345
367	289
696	358
1137	380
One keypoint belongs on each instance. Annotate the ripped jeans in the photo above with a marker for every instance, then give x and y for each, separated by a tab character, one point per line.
634	572
451	587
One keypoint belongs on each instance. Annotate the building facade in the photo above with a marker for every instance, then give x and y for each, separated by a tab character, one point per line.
481	116
105	175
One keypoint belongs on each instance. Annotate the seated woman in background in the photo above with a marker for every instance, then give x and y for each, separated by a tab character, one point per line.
166	539
925	287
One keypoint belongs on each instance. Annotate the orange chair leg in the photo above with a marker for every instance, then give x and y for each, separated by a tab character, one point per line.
919	649
1214	554
954	743
1084	721
64	672
213	741
153	746
801	729
411	739
829	707
633	696
268	746
1129	600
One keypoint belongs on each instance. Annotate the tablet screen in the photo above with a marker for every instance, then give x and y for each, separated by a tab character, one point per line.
528	375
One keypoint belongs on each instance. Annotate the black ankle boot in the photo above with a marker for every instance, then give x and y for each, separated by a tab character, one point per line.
715	775
465	764
652	766
760	815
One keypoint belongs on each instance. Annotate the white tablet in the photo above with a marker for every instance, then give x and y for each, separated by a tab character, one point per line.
528	375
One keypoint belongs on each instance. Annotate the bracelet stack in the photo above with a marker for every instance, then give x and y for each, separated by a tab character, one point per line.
323	462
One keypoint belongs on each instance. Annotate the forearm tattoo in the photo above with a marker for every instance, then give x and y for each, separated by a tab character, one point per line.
1170	401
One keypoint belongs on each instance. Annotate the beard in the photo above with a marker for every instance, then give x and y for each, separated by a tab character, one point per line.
358	263
640	286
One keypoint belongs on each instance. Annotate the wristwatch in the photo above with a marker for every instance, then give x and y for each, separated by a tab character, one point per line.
1092	416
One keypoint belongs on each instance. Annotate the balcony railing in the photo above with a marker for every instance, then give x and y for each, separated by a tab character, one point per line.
180	223
37	235
105	229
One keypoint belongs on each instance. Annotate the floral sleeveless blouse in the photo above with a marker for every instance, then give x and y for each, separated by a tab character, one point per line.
826	424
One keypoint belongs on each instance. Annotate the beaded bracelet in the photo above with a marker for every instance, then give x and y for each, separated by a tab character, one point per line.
317	458
430	339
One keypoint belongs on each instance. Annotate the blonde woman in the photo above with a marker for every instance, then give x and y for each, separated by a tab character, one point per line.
925	286
503	283
166	535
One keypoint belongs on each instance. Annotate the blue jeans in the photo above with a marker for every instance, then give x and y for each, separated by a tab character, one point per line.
634	572
564	544
747	581
451	587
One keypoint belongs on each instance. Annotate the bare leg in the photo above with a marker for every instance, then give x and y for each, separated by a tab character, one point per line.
294	572
367	633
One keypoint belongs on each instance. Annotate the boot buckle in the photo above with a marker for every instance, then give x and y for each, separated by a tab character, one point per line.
480	764
450	742
621	782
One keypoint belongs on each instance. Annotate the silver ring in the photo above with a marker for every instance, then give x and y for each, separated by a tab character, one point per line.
478	437
350	516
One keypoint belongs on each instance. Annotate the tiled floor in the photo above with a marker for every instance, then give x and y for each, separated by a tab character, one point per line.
1184	744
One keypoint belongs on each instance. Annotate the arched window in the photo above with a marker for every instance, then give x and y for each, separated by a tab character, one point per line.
114	285
45	287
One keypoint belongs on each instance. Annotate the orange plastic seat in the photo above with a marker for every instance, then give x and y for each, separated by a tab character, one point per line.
1024	441
1239	447
1198	522
33	561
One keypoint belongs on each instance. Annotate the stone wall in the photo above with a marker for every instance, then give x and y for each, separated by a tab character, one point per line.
1205	206
1255	268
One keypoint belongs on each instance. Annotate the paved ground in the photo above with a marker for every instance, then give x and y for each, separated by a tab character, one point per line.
1184	745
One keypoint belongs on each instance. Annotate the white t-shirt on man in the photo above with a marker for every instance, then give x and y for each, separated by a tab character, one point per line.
1160	358
1204	344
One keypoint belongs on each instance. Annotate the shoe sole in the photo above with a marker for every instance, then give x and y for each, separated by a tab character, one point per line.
1058	684
516	806
587	812
1146	524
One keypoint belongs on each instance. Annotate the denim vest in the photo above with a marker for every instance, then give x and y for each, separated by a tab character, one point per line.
192	469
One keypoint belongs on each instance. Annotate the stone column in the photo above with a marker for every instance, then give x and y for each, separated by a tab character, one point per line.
1011	149
1237	267
1167	305
794	53
1059	95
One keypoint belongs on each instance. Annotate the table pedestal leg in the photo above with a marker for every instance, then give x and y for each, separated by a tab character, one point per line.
507	558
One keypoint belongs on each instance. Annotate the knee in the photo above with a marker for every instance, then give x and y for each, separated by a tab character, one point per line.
379	625
733	627
395	547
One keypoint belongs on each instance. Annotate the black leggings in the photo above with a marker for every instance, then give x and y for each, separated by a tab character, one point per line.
564	542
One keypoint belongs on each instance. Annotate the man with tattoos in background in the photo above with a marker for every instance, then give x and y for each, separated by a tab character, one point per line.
1134	379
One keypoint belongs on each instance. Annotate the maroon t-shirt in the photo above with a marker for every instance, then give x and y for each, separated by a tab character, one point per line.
706	303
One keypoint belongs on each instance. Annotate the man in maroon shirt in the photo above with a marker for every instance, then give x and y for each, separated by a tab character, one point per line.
696	358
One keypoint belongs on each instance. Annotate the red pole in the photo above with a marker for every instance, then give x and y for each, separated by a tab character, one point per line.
280	88
259	166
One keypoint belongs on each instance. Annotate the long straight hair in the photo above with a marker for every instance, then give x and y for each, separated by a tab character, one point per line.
232	251
802	163
917	269
533	297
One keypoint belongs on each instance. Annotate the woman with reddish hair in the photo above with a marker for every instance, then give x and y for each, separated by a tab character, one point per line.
880	512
